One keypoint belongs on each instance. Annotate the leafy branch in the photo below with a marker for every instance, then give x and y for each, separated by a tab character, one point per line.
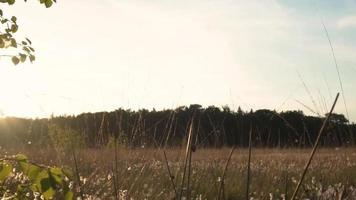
47	3
22	179
8	27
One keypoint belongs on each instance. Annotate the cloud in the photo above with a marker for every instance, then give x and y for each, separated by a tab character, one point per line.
347	22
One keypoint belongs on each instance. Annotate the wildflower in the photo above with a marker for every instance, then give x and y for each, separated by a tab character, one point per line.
71	184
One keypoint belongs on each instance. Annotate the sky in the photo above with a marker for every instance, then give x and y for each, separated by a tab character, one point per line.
100	55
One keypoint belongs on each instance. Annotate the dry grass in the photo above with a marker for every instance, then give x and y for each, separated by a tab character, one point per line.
142	173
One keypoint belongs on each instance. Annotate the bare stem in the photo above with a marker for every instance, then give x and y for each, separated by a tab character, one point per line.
314	148
249	164
171	178
187	155
222	182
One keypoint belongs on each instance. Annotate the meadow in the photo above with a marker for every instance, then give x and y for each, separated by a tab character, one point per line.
142	173
68	168
151	53
61	162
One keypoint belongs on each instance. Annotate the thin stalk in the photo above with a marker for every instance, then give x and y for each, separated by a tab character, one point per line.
338	75
114	183
115	169
77	174
336	67
249	164
321	131
187	153
286	186
189	170
171	178
222	183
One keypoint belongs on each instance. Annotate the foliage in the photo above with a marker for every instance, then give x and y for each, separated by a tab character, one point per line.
64	139
22	179
8	41
338	118
47	3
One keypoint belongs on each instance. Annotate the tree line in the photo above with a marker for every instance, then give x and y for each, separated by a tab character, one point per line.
212	127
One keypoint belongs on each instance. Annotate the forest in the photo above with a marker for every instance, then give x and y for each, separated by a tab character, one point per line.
212	127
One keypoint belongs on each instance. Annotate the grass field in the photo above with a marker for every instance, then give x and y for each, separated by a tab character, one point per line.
142	173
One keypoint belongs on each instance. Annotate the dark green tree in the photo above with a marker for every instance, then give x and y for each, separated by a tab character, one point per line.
338	119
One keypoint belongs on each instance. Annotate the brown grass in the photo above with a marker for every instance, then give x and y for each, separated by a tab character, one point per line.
141	173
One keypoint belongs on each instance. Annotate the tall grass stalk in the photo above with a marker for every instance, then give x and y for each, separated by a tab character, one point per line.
187	160
249	164
189	171
338	74
309	93
336	66
314	148
286	185
77	174
171	178
222	183
115	169
114	182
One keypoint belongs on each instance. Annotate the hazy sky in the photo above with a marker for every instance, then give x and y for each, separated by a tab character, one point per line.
95	55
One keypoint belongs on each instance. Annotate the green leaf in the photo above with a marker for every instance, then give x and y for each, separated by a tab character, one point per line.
21	158
13	43
69	195
56	174
56	171
26	49
14	19
24	43
32	58
24	166
14	28
22	57
48	3
5	170
32	172
1	13
47	188
36	183
28	169
15	60
29	41
3	21
44	184
10	2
